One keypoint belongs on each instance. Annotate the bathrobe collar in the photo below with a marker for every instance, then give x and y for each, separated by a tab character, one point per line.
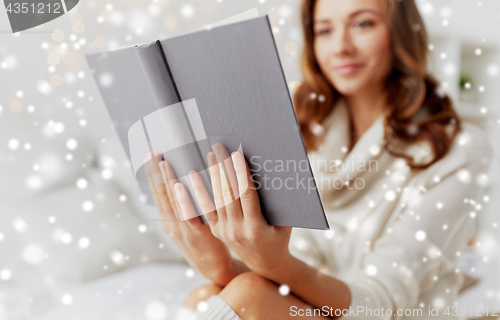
335	169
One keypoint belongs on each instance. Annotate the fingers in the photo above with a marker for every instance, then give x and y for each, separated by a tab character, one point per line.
242	174
161	190
160	197
206	204
228	181
187	210
169	180
228	177
157	203
154	169
216	186
249	198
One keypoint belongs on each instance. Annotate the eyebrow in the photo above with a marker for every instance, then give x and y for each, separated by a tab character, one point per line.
355	13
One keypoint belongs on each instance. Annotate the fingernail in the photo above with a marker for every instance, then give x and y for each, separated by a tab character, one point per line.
161	165
217	149
178	187
191	174
235	157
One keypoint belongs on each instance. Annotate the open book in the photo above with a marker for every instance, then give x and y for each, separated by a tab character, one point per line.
225	84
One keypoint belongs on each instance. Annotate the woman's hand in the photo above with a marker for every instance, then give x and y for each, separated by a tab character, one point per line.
194	239
238	220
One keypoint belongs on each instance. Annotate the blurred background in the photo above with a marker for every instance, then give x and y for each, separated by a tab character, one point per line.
76	239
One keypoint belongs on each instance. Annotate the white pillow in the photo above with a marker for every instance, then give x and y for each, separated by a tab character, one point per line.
76	235
46	164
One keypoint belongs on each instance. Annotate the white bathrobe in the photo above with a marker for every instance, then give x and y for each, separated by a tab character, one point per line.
395	232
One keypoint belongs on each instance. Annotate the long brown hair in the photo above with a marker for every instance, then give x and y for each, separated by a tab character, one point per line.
419	109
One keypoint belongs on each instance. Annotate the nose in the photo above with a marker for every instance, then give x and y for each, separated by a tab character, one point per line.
343	44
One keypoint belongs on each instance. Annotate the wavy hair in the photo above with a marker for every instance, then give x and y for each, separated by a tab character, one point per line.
420	111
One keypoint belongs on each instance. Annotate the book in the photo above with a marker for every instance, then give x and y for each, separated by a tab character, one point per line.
224	84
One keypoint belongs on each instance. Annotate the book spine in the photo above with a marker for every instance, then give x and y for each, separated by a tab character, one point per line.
170	129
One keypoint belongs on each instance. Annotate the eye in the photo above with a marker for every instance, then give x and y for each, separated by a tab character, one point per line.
323	31
364	24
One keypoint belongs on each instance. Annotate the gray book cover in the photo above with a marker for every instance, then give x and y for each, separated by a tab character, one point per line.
180	95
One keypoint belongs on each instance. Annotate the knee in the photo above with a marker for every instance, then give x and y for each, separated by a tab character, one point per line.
247	294
248	285
200	294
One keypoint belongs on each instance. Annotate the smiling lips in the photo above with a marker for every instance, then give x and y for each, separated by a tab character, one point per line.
349	68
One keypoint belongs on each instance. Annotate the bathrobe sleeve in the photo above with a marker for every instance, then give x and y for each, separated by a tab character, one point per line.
422	243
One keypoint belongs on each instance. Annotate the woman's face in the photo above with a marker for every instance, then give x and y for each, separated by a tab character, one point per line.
352	44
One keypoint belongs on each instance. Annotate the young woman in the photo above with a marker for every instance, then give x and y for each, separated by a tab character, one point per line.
411	179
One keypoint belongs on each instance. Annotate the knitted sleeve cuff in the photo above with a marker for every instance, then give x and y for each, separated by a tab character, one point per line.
217	309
